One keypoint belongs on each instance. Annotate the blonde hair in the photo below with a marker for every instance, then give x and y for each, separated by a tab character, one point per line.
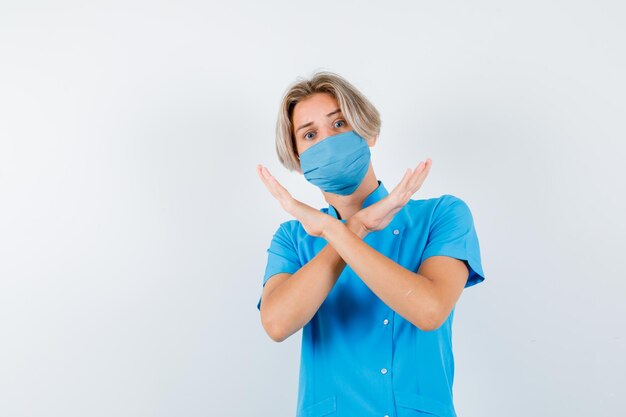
356	108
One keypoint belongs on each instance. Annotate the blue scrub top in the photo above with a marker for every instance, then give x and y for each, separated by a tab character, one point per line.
359	357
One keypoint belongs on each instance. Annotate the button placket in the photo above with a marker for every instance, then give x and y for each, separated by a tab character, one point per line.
396	233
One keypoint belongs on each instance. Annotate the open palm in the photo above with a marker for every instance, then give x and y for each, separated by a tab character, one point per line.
377	216
313	221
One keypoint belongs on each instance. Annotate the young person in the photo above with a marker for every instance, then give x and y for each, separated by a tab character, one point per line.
372	279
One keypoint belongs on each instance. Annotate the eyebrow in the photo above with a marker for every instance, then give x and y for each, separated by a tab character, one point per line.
310	123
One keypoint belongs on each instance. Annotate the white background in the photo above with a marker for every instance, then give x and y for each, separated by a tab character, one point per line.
133	226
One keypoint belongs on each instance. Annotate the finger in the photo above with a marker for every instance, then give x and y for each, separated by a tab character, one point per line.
405	178
403	182
413	179
262	170
259	171
271	181
271	178
276	187
267	180
263	175
421	174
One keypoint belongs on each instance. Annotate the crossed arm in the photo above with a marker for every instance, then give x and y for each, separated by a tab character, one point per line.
425	298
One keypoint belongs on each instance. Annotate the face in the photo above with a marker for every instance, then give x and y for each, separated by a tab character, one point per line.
315	118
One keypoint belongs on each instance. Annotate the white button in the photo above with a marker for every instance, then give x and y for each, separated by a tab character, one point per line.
386	322
396	231
383	371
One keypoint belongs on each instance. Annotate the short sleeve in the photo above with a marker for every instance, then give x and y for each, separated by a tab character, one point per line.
452	233
282	255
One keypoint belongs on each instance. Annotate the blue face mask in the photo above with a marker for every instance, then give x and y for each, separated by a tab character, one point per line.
338	163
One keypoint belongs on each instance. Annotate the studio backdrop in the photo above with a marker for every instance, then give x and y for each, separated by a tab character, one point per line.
134	228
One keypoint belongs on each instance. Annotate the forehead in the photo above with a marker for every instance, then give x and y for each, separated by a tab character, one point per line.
315	106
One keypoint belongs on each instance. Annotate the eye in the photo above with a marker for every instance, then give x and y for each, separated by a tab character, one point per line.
339	121
306	136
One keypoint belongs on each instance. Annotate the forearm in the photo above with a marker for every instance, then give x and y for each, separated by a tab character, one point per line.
293	303
406	292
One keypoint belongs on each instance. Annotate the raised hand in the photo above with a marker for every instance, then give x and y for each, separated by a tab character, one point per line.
313	221
377	216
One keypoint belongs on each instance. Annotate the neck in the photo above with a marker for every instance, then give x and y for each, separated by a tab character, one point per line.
347	205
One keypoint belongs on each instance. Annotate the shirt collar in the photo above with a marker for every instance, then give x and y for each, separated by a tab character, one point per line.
378	194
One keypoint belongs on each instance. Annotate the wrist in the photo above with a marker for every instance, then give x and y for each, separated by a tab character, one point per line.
330	227
356	227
